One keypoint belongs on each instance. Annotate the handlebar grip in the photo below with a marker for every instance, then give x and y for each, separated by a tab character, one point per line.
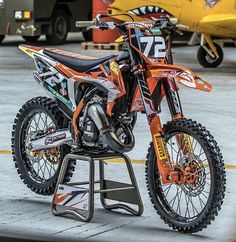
84	24
182	26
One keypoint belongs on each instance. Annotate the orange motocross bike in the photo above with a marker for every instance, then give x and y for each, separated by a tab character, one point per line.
93	108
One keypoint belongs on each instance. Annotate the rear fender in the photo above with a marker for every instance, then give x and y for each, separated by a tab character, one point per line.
30	50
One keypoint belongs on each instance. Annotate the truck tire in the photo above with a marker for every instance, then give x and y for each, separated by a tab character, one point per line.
31	38
2	38
59	28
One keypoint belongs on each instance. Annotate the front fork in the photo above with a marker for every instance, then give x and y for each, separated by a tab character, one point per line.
164	164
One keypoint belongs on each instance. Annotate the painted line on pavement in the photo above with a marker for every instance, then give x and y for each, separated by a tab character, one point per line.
8	152
5	152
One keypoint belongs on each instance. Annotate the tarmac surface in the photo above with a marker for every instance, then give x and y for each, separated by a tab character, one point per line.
24	214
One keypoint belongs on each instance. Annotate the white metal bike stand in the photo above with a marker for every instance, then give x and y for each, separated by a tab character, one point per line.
123	193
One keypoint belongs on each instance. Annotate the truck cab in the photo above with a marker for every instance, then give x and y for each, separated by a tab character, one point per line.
33	18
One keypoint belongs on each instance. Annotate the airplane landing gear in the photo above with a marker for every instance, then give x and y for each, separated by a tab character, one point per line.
207	58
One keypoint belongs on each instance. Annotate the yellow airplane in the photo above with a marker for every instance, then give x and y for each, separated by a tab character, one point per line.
210	17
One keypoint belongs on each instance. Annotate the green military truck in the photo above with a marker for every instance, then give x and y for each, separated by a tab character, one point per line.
33	18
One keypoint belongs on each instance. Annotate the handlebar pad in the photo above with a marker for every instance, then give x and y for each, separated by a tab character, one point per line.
84	24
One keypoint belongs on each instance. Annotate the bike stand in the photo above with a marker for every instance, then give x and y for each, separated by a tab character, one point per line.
79	201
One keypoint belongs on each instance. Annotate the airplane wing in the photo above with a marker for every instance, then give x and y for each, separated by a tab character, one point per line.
225	23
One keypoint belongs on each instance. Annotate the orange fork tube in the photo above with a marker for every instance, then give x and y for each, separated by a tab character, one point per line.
167	172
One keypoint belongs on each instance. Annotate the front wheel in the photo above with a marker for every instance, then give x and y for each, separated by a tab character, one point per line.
190	205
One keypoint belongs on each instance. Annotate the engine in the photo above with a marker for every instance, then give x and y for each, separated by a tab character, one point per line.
97	130
90	131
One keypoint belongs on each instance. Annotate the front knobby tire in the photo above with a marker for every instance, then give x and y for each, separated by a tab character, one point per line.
26	167
217	175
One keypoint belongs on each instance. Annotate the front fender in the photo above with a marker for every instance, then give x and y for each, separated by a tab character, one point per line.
181	75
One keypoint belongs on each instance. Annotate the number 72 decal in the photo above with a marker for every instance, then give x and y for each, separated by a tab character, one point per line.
153	46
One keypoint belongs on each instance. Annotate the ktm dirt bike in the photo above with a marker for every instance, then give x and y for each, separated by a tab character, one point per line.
93	108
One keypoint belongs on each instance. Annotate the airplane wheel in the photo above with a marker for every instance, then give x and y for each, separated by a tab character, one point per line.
206	60
2	38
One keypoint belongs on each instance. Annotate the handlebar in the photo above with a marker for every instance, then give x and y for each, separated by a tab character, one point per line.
162	23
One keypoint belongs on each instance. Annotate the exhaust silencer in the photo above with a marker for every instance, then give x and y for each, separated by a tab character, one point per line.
99	117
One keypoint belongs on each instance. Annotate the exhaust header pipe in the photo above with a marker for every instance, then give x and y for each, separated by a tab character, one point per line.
99	117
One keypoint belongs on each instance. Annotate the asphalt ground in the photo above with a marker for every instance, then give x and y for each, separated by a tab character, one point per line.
24	214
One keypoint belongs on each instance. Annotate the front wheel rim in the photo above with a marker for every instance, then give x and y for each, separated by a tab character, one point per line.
187	201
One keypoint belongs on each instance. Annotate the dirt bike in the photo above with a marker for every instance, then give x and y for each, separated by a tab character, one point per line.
93	108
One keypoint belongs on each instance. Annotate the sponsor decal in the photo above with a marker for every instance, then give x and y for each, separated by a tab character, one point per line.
63	85
200	82
53	139
60	97
188	143
160	147
138	103
115	68
73	197
63	91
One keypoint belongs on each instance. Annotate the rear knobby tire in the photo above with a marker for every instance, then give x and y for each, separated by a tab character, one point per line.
20	157
216	166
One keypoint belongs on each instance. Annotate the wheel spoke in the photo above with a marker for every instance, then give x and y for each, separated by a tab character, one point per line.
168	189
41	168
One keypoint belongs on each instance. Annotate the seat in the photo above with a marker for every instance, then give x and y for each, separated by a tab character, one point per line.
72	61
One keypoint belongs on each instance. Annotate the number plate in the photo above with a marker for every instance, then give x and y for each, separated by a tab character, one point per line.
153	46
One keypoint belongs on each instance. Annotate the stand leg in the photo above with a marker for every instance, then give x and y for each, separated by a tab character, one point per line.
134	184
75	213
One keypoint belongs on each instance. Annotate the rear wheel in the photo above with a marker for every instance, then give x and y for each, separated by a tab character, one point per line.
190	205
59	28
2	38
39	170
31	38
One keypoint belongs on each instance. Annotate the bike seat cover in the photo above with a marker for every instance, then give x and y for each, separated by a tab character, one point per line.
75	61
